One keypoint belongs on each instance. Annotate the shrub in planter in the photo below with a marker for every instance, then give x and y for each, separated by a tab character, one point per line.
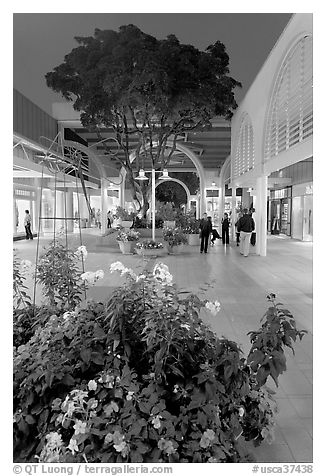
122	214
140	378
149	247
166	212
174	237
127	240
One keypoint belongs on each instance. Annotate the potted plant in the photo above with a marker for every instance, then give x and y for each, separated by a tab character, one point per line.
192	232
127	241
125	218
175	239
167	213
150	248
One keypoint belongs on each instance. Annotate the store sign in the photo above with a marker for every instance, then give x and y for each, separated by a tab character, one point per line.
309	190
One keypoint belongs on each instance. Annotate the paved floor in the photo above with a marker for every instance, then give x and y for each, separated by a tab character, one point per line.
241	285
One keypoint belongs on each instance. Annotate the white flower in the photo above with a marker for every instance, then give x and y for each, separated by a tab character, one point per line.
92	385
129	396
68	315
80	427
161	274
73	447
25	265
141	276
117	266
241	412
185	326
213	307
156	421
99	274
88	277
81	252
54	439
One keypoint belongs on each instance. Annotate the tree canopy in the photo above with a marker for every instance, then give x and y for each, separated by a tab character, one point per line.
138	85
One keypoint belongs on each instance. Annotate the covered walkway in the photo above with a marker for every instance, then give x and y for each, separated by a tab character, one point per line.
241	285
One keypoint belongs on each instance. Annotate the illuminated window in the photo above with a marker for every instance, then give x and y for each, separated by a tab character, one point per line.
290	115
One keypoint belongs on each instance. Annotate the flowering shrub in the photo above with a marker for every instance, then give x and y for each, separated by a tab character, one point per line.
149	245
174	237
124	215
58	272
141	378
129	235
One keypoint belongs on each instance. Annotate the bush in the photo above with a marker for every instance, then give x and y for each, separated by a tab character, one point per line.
140	378
59	273
124	215
166	212
174	237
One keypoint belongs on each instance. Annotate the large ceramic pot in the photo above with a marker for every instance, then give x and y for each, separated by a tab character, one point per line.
125	247
193	239
126	223
151	252
169	223
174	250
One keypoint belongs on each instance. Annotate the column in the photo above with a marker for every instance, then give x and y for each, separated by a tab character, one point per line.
104	206
202	203
234	214
261	214
69	209
221	204
38	199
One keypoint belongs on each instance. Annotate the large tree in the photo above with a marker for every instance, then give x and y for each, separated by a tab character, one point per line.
139	85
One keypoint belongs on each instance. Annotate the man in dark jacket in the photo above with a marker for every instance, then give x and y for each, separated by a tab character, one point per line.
246	226
205	227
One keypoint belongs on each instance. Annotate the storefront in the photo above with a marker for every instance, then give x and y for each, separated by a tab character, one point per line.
302	211
24	199
279	211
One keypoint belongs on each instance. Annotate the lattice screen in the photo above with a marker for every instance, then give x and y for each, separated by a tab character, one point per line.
290	118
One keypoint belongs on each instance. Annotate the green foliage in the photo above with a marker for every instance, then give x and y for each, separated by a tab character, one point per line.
148	89
171	192
58	271
174	236
21	298
267	357
188	223
124	215
166	211
139	378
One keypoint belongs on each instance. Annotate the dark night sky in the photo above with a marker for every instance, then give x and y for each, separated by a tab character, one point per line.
40	41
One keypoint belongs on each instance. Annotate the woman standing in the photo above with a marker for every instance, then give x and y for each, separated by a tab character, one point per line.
225	229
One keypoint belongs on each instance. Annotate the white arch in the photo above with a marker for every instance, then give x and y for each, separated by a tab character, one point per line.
194	159
172	179
224	168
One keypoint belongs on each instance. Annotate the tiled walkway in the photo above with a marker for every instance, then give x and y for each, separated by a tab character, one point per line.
241	285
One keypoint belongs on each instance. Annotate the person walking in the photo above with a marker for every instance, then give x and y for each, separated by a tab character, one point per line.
225	229
205	227
246	226
98	218
109	219
27	224
236	228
